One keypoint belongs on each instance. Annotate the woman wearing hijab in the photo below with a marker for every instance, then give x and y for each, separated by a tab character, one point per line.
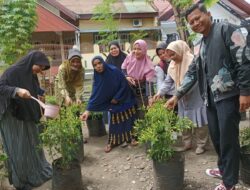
69	80
116	55
161	68
191	105
139	71
19	119
118	100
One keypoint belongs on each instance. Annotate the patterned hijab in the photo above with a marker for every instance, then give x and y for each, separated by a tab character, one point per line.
177	70
70	75
139	69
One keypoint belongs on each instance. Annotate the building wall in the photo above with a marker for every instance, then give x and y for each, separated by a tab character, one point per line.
122	23
86	43
87	57
220	14
89	28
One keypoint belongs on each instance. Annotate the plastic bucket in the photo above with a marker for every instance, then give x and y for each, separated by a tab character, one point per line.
49	110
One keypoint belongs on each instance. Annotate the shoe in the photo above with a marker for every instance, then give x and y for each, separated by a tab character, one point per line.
182	148
187	147
133	142
223	187
124	144
199	150
214	173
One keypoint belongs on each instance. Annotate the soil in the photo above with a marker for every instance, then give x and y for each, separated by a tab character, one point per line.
129	168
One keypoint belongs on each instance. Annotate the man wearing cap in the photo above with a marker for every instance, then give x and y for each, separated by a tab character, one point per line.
69	80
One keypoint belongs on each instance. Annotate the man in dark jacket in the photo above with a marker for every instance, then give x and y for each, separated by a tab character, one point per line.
223	72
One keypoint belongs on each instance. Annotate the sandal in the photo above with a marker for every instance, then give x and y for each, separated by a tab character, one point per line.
108	148
134	142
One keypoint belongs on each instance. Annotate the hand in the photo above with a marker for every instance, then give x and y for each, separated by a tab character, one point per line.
171	103
84	116
157	96
78	101
68	101
150	101
41	98
131	80
244	103
114	101
23	93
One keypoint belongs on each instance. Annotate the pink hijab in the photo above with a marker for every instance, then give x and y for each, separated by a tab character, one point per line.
139	68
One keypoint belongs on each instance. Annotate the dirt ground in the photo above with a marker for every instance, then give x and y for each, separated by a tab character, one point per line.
129	168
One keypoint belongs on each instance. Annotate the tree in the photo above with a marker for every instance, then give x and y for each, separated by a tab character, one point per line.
17	20
104	14
178	7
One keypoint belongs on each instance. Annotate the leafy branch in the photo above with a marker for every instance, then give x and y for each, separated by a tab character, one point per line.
18	20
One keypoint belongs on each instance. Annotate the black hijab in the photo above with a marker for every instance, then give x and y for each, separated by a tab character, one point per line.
20	75
116	60
163	63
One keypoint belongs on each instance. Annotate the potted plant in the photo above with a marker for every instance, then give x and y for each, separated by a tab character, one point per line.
95	124
158	129
245	155
76	110
62	137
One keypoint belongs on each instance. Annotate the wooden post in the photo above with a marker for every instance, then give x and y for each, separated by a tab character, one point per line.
61	45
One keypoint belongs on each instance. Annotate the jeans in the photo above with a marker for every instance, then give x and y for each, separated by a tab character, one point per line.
223	122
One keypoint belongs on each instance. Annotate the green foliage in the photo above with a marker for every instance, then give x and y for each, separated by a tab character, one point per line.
245	138
3	68
51	100
182	3
3	172
138	35
209	3
159	128
104	14
63	135
17	20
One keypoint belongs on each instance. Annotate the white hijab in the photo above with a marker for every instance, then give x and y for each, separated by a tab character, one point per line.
177	70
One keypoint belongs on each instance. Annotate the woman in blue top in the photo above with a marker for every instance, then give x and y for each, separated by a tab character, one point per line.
112	93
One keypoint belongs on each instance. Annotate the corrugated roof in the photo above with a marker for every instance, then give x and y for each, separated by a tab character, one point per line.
241	7
62	9
121	6
49	22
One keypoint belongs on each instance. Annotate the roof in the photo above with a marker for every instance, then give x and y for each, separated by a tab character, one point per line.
239	7
62	9
164	9
83	7
49	22
120	29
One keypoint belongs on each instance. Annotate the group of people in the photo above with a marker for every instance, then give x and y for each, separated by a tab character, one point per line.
209	89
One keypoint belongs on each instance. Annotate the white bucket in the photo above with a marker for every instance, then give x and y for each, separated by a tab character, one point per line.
49	110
